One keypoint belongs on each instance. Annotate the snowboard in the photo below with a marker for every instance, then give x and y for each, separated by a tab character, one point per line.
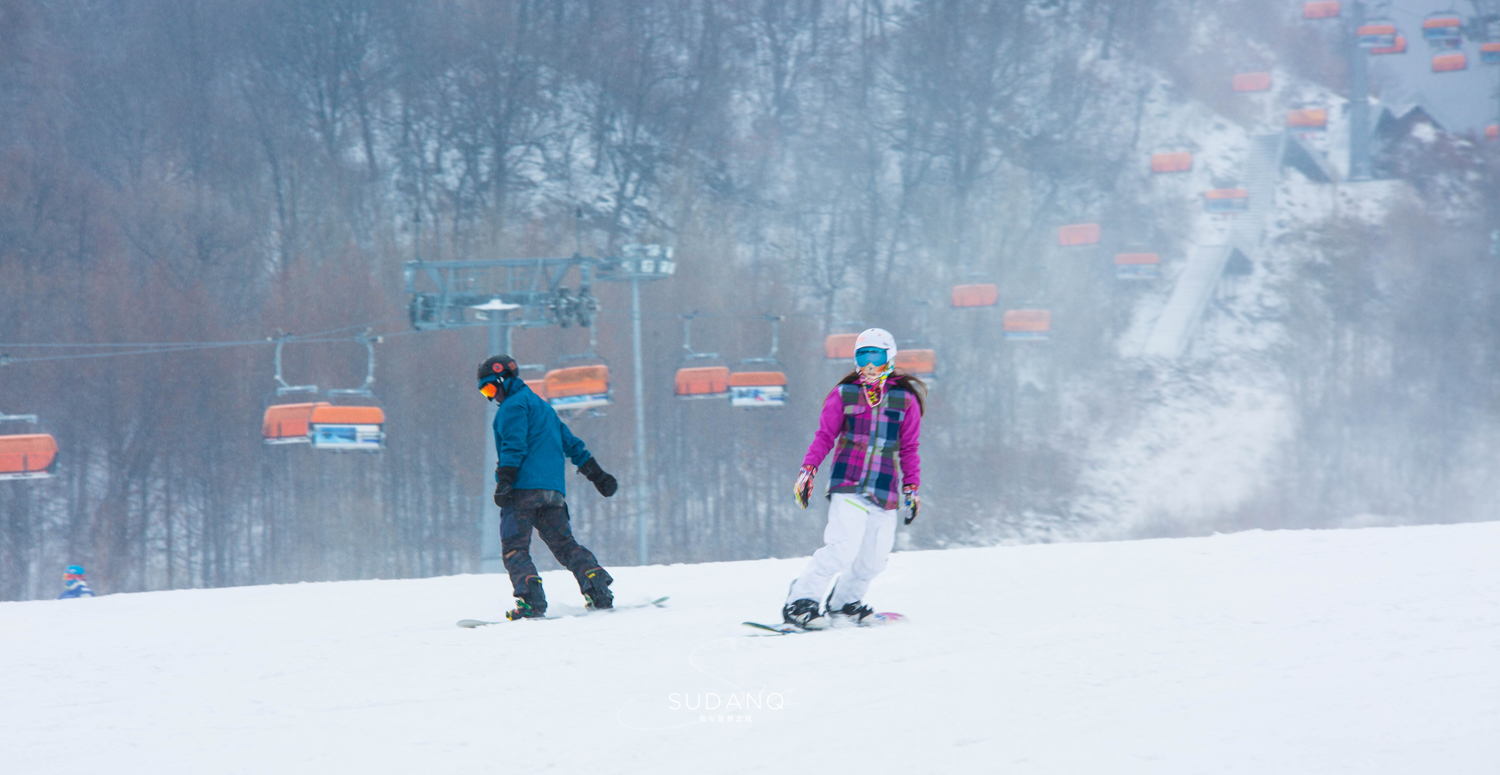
873	620
659	602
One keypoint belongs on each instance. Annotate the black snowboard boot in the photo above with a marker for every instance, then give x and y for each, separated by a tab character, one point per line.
803	613
851	613
597	589
531	603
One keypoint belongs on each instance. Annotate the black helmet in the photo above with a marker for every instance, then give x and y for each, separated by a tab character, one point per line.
498	365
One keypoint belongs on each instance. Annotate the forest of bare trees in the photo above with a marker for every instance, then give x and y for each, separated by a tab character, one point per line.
213	171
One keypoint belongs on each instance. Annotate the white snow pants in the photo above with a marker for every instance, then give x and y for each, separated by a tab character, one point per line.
856	544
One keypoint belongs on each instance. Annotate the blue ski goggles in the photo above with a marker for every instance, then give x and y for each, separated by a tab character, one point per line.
866	356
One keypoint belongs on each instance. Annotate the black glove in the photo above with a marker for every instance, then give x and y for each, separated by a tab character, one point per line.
604	483
505	476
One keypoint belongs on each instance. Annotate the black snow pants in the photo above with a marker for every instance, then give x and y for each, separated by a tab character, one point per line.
547	511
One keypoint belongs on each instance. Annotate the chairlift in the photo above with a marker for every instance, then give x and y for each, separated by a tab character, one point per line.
1448	63
1492	132
1137	266
1307	120
1398	47
1028	325
1380	33
760	383
1489	53
1181	161
694	382
538	384
1078	234
26	455
1252	82
1321	9
919	362
1444	29
974	295
1226	201
325	425
575	389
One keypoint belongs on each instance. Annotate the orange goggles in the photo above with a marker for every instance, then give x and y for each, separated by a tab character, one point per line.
489	389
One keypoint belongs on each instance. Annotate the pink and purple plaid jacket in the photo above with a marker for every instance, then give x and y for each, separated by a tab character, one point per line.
868	440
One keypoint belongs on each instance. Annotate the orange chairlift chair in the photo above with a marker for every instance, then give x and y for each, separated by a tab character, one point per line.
1176	161
1226	201
1376	34
576	389
918	361
325	425
974	294
1321	9
1137	266
1252	82
839	347
699	381
1307	120
1450	63
1077	234
1444	29
760	383
26	455
1028	325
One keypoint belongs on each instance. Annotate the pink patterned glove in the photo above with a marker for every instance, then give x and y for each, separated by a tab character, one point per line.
803	489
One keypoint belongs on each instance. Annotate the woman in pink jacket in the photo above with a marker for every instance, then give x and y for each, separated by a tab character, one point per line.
872	417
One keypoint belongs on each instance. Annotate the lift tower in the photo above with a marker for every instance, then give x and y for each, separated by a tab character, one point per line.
508	293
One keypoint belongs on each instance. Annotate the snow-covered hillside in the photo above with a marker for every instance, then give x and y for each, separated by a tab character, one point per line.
1355	651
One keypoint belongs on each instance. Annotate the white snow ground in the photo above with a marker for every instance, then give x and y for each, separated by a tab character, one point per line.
1344	651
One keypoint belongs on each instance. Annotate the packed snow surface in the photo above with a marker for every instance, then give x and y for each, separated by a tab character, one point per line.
1342	651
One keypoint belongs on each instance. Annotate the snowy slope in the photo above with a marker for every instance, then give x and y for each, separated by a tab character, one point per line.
1356	651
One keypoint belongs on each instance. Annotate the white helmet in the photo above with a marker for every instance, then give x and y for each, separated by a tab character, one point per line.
878	337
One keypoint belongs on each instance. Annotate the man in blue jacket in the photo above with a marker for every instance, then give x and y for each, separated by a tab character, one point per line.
529	489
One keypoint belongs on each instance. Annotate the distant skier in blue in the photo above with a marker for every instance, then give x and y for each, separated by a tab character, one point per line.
532	444
77	586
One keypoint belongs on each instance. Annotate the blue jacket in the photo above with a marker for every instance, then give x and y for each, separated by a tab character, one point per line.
529	436
76	588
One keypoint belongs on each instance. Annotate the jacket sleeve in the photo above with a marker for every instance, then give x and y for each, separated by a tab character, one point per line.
573	446
830	424
512	426
911	439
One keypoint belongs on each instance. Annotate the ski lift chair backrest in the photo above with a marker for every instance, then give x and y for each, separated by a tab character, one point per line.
577	381
1399	47
1181	161
702	381
1307	118
1381	34
1225	200
1137	266
976	295
1078	234
1489	53
922	363
288	423
1448	63
27	455
839	347
1249	82
1443	29
1321	9
1028	323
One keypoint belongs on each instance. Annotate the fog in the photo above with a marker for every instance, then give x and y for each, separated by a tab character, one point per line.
181	183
